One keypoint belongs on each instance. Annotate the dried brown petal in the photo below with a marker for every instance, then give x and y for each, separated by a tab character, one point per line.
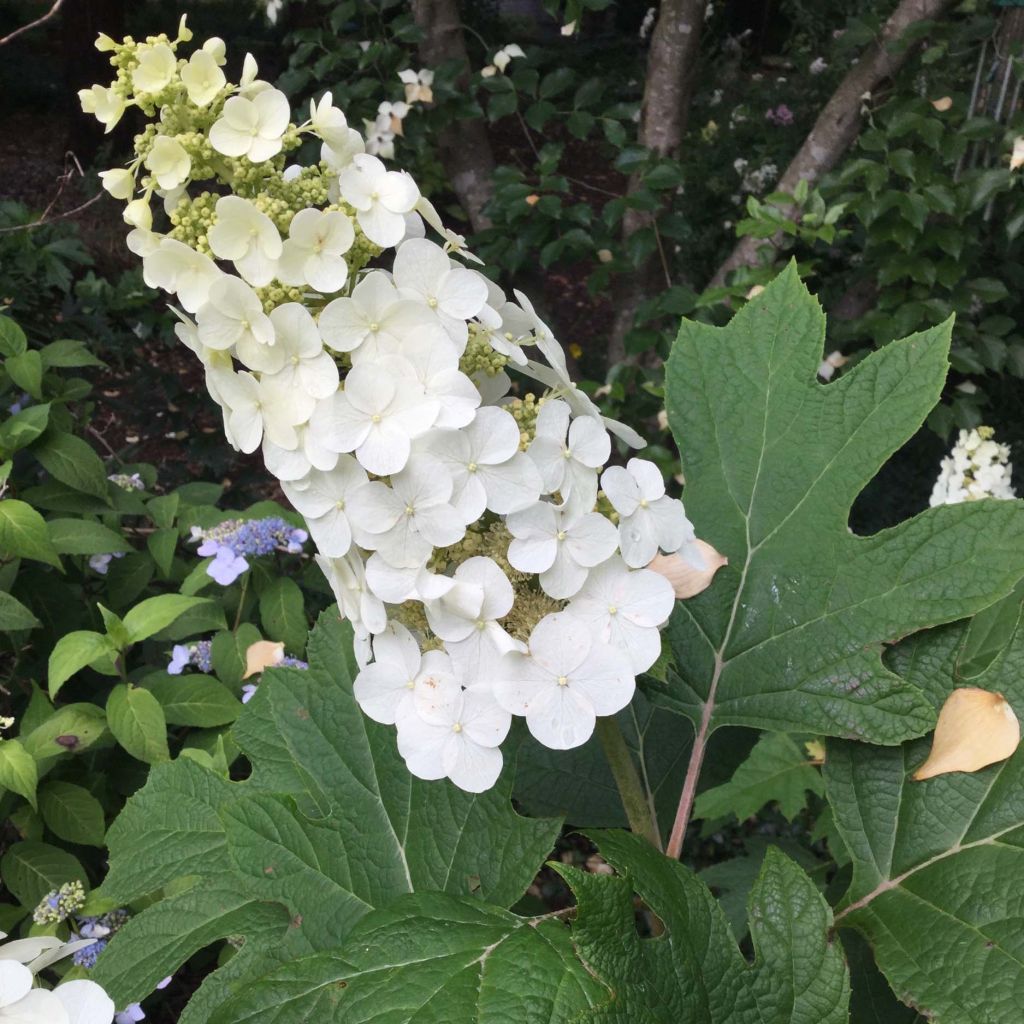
687	581
260	655
976	728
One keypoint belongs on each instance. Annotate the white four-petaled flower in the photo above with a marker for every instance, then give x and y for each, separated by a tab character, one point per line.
566	680
648	518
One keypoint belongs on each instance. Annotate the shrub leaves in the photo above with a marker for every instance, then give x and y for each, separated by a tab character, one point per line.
329	826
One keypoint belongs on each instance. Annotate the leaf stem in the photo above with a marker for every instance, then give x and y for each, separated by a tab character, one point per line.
700	746
638	810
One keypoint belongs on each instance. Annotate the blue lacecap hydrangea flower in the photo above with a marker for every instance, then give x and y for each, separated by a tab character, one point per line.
199	654
231	541
101	563
100	928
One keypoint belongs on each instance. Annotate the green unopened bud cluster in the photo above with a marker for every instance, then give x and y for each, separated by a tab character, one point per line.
59	904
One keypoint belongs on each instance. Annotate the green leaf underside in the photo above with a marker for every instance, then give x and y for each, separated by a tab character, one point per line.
789	635
432	959
938	866
329	826
777	770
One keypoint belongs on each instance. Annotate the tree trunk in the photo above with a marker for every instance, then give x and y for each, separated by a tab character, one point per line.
671	66
839	122
465	148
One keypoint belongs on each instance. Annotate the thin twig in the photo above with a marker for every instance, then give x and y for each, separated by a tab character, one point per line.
51	13
661	254
71	167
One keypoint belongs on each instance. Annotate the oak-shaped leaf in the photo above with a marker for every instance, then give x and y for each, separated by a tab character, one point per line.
329	826
938	865
435	959
789	636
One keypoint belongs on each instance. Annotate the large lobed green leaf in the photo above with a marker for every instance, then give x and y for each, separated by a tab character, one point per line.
938	866
789	636
329	826
437	959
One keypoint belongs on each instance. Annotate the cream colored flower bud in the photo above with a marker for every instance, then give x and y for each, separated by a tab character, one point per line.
119	182
138	214
685	579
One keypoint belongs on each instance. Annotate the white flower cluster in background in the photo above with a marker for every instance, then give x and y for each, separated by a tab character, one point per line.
977	467
458	517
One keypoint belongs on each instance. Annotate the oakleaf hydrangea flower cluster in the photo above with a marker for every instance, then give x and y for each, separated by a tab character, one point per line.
459	518
70	1002
977	467
229	543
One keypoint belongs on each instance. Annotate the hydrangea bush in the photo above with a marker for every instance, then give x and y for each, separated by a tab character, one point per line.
459	526
495	553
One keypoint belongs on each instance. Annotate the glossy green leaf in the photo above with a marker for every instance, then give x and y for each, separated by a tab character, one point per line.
72	813
228	651
23	533
283	614
12	337
72	653
14	615
18	771
83	537
67	353
156	613
32	869
137	721
24	427
26	370
194	699
72	729
73	462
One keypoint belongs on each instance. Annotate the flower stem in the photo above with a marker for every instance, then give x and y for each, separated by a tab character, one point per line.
241	603
634	800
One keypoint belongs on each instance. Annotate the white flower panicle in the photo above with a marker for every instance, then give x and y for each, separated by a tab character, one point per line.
977	467
458	520
70	1002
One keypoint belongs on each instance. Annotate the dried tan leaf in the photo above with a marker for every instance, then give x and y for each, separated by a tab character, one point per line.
976	728
260	655
815	751
685	579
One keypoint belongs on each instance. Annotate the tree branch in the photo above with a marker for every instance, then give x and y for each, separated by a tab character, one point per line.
51	13
671	72
839	121
465	147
